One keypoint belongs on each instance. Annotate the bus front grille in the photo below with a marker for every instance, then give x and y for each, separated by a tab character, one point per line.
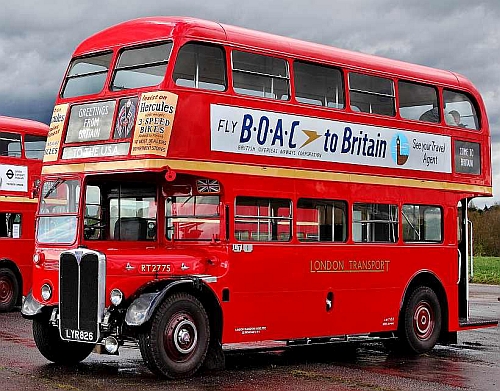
81	294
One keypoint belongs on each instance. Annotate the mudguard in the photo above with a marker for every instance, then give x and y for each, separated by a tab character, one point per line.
142	308
31	307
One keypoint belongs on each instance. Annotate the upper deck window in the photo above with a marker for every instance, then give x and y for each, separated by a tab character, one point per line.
10	144
34	146
141	67
460	110
318	85
201	66
86	75
371	94
258	75
418	102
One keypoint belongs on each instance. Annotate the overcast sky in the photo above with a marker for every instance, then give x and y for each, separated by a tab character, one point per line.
37	39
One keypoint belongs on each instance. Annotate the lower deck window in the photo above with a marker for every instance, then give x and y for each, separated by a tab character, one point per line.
422	223
375	223
192	217
10	225
321	221
263	219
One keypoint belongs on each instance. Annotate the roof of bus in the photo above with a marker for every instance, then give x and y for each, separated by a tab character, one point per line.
144	30
23	126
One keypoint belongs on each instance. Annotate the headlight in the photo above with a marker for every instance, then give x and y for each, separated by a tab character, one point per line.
37	258
46	292
111	344
116	296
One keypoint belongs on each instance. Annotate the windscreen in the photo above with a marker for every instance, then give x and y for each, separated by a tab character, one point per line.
86	75
57	215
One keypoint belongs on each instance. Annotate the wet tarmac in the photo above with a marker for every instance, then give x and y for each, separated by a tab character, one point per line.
472	364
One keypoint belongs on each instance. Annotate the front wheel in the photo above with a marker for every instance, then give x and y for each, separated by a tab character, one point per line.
422	319
55	349
176	344
9	290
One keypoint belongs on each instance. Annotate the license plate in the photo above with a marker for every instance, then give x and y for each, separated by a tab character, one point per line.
156	268
78	335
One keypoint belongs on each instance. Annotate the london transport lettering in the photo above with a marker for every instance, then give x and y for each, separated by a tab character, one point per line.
349	266
264	133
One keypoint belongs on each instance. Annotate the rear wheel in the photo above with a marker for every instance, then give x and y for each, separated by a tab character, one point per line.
421	323
9	290
176	344
53	348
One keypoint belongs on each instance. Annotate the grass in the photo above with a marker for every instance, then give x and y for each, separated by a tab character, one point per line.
487	270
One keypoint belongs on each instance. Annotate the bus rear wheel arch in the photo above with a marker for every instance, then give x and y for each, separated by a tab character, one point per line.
9	289
421	321
175	342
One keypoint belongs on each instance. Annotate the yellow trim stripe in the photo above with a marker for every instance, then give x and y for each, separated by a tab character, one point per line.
190	165
17	199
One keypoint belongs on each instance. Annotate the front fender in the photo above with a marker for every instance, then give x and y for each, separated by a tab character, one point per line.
142	308
31	307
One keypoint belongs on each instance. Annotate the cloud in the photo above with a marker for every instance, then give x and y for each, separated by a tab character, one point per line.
37	39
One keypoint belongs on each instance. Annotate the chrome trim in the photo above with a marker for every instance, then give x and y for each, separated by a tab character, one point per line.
206	278
471	248
31	307
79	253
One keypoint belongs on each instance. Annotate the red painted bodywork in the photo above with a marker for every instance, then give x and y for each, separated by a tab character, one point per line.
17	254
273	294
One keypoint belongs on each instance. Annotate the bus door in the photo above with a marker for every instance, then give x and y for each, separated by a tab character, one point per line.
464	257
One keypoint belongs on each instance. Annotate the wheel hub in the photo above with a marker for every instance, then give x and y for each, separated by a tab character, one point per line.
423	321
185	336
181	337
6	290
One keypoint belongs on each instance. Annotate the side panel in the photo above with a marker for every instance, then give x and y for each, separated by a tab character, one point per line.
17	241
281	290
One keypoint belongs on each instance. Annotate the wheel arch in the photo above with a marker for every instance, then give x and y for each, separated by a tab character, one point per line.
193	286
428	279
208	299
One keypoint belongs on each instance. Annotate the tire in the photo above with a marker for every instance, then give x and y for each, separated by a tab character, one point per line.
9	290
176	343
421	323
53	348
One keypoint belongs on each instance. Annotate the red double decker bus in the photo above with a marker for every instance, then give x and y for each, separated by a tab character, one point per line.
21	151
205	185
